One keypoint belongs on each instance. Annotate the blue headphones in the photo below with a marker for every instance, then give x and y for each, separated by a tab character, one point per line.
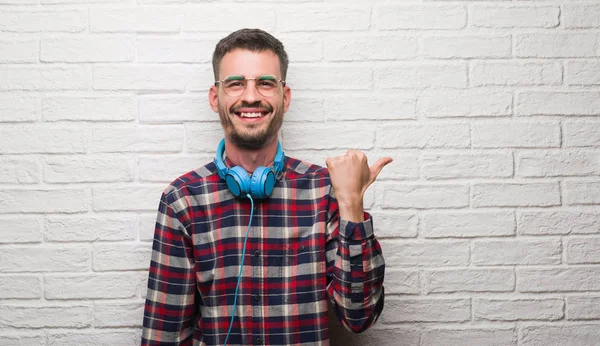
262	182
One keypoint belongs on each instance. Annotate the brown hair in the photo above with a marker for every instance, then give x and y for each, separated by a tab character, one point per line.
255	40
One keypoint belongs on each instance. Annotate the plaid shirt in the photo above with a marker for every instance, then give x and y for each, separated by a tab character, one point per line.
299	254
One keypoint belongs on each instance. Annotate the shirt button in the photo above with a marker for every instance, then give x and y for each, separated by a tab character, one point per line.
256	297
256	253
258	341
302	248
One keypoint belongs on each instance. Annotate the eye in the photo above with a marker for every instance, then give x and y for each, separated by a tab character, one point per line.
233	84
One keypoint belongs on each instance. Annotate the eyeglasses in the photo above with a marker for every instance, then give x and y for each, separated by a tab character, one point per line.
235	86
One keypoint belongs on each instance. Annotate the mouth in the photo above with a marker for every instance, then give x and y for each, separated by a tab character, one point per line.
251	113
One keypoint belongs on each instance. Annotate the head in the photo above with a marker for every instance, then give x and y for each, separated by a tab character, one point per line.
251	119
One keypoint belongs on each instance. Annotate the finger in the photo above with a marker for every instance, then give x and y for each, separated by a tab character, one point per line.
378	166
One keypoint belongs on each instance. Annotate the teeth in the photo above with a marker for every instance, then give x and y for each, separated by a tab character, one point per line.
250	115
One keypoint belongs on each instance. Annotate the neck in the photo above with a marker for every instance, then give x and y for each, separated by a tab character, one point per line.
249	160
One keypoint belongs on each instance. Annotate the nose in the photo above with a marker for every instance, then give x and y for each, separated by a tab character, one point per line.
250	95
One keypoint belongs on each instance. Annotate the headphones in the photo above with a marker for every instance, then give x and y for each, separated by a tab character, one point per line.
262	182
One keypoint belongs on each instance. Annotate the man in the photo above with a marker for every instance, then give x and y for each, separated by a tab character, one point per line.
248	249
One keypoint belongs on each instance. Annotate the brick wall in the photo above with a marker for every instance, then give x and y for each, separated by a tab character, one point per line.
489	216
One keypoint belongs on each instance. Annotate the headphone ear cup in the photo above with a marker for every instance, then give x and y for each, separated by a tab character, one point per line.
238	181
262	182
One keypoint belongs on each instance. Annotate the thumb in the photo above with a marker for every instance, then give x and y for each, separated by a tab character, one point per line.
378	166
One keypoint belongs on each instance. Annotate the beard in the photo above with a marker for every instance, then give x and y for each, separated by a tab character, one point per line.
250	136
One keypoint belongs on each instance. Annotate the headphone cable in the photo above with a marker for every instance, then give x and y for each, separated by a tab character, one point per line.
237	286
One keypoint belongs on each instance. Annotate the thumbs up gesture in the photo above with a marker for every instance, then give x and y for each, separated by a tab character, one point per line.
350	177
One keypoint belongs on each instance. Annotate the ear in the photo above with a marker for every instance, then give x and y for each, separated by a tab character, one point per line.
287	98
213	98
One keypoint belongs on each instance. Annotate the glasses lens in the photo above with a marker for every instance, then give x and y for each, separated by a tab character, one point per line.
234	85
267	85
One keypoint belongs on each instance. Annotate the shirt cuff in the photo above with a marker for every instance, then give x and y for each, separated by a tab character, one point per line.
357	230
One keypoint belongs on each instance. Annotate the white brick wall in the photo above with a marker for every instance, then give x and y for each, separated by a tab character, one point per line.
489	217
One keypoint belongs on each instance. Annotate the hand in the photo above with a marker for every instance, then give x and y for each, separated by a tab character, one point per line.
350	177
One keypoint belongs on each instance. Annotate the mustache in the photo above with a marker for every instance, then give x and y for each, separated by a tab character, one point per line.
257	104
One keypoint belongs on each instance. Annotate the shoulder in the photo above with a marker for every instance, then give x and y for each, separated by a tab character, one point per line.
194	181
299	169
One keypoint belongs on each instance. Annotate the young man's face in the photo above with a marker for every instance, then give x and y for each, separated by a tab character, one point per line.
252	117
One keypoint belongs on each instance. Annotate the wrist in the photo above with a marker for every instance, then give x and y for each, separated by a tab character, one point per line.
352	211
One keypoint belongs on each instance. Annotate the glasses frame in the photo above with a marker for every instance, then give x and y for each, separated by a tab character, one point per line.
255	79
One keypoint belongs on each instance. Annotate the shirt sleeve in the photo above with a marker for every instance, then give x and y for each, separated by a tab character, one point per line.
170	310
355	270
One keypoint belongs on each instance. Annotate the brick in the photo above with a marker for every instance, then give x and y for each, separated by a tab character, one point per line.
561	45
404	167
44	259
79	1
87	169
199	77
19	170
449	47
519	252
582	192
559	222
204	137
515	195
159	109
512	73
43	201
465	104
145	226
557	103
81	228
426	254
469	280
514	16
412	75
88	49
582	250
560	335
115	337
582	73
121	257
396	224
97	286
20	229
306	108
118	314
137	19
20	287
359	47
44	316
427	310
303	48
166	168
476	165
335	77
140	77
518	309
175	50
24	21
323	18
425	196
513	134
130	198
401	281
19	50
17	108
490	336
413	135
23	339
319	136
41	138
581	134
370	107
44	78
558	163
392	335
88	108
581	15
413	16
583	307
152	138
468	224
573	279
223	18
